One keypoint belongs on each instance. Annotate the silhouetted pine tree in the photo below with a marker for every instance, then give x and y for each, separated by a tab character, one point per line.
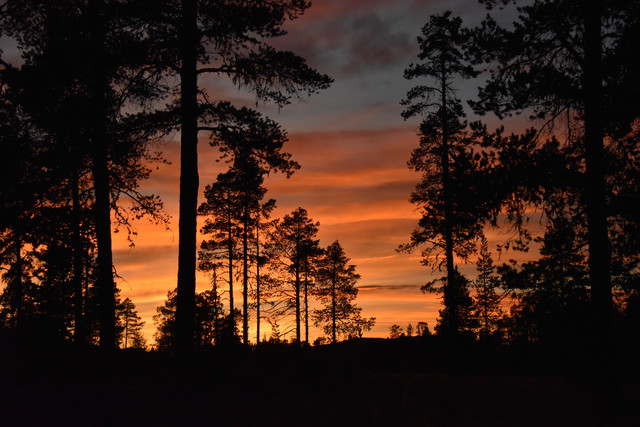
568	63
487	299
223	38
287	250
261	232
452	215
551	293
312	250
252	145
336	289
22	184
130	324
212	323
83	60
223	222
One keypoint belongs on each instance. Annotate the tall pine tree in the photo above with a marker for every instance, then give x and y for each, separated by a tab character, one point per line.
227	38
568	63
451	217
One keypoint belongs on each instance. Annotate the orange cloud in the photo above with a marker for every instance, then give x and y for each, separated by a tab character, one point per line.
354	182
352	145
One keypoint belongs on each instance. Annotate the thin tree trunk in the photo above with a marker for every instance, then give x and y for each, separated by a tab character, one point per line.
306	301
85	290
185	306
486	322
126	332
333	303
18	296
245	278
232	312
78	298
258	283
216	313
297	287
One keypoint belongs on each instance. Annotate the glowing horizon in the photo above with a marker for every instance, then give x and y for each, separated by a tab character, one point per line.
352	145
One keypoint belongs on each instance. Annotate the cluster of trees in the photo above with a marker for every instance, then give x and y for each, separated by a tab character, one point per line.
98	80
281	268
420	330
71	154
569	65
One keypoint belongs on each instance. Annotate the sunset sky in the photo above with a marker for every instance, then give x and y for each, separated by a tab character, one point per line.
352	145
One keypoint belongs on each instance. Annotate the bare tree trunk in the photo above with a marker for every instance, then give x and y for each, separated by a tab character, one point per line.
333	303
126	332
100	171
17	302
450	291
486	322
185	306
232	312
79	334
306	301
258	283
297	289
245	278
105	284
597	232
216	313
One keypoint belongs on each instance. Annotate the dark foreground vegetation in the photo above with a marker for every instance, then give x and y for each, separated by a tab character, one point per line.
407	381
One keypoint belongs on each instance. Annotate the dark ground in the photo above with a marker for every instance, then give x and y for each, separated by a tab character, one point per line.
369	382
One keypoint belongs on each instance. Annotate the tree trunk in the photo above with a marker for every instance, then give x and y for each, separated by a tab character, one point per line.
100	172
306	301
17	296
297	288
258	283
126	332
102	218
216	313
595	193
333	304
452	323
232	312
79	335
486	322
245	277
185	306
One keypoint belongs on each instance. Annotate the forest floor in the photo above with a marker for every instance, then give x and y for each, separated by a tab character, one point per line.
369	382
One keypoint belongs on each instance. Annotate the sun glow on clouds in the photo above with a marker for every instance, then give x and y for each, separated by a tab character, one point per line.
355	183
352	145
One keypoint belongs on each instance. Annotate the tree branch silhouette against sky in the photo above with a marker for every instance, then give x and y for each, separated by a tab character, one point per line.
352	145
362	208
